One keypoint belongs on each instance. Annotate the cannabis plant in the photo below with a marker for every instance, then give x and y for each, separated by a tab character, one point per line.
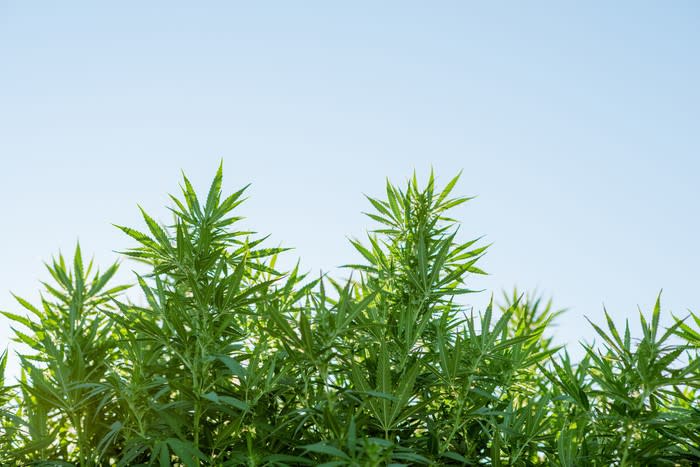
220	357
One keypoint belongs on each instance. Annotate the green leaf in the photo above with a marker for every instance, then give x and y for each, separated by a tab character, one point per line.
324	448
214	190
189	455
18	318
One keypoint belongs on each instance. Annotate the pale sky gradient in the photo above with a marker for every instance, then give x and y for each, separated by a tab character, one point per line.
578	127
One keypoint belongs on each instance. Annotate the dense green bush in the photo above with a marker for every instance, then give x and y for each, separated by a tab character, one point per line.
229	361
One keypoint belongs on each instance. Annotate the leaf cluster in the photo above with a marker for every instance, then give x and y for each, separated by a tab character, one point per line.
226	360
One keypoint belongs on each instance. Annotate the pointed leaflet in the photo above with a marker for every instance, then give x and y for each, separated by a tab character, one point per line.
20	319
78	270
101	280
364	251
446	191
191	197
28	306
613	344
214	191
3	365
140	237
58	272
189	455
156	230
182	213
230	203
382	207
228	400
455	202
325	448
392	196
655	315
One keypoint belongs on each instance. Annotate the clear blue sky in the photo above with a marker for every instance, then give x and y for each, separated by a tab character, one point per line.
578	127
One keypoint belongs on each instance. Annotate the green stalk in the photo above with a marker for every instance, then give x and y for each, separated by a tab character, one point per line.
628	440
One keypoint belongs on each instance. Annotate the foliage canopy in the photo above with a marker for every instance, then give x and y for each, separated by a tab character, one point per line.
230	361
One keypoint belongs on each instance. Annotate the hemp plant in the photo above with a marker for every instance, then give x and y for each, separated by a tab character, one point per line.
218	357
71	346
